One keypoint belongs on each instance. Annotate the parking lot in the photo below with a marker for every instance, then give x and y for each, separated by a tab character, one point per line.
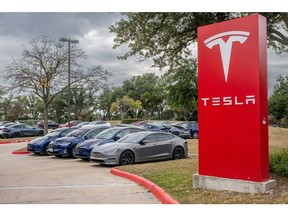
28	178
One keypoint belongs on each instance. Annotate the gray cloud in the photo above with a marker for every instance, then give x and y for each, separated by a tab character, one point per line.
91	29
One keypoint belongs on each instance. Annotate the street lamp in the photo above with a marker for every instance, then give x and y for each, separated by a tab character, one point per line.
69	63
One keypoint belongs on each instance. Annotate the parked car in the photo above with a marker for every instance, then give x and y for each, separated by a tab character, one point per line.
180	131
21	130
40	144
100	123
51	124
141	147
72	123
192	126
65	146
83	150
139	123
6	124
155	127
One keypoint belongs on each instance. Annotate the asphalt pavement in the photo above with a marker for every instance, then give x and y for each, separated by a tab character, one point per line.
33	179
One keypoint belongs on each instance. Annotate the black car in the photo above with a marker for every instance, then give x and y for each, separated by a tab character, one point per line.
51	124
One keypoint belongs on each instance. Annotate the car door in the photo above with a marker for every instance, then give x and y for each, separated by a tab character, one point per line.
31	131
165	145
147	149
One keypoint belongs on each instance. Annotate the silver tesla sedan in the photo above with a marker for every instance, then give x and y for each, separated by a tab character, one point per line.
140	147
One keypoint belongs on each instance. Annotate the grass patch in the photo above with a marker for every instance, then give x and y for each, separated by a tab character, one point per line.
175	177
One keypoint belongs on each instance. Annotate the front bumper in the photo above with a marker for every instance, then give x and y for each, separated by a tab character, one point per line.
104	158
37	149
83	152
58	150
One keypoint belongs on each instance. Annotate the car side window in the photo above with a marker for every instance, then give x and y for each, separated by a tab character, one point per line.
123	133
92	133
164	137
134	130
151	138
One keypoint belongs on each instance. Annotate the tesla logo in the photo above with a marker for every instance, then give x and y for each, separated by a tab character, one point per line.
226	47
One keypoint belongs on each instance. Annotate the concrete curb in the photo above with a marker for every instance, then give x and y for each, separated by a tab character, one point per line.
158	192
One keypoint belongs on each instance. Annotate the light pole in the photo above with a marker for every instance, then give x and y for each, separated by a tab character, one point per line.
69	63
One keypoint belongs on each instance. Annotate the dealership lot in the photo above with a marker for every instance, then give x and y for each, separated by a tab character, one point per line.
30	178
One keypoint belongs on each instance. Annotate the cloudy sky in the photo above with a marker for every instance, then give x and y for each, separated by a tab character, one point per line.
91	29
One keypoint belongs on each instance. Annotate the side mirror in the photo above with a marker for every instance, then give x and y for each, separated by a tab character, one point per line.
143	142
117	138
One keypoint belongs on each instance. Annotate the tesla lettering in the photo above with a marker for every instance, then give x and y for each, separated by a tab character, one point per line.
228	101
226	47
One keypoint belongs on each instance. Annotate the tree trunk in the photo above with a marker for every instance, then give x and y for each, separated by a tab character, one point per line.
45	116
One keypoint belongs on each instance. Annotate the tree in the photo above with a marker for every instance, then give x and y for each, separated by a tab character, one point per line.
42	71
183	90
107	97
168	37
278	101
148	89
124	105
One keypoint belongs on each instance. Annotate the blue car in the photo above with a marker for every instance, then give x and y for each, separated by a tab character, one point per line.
65	146
84	149
40	145
192	126
21	130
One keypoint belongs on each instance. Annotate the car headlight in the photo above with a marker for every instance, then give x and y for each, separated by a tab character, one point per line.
93	145
64	143
112	151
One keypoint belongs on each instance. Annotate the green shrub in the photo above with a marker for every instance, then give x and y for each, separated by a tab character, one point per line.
279	163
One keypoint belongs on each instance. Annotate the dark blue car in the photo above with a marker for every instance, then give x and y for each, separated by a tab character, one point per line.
84	149
192	126
40	145
65	146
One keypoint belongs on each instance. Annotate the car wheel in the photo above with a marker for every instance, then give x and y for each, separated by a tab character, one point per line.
16	135
45	150
178	153
73	151
126	158
195	135
41	133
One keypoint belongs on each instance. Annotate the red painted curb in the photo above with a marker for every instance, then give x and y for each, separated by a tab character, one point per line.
158	192
13	141
20	152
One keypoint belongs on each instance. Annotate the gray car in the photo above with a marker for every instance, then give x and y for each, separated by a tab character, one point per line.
141	147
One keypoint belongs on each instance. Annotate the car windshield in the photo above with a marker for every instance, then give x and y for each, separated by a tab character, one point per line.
132	138
77	133
53	133
106	134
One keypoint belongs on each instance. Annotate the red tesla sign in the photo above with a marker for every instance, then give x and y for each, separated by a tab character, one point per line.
232	99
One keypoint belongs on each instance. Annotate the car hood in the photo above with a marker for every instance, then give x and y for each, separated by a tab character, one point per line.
111	146
41	139
87	143
67	139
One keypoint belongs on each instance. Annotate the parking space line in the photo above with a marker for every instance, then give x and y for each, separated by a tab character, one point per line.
67	186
